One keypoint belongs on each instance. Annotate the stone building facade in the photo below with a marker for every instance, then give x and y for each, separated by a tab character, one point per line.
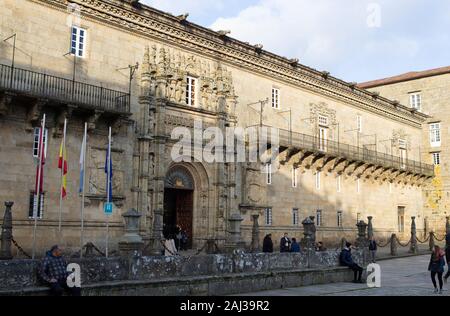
334	161
429	92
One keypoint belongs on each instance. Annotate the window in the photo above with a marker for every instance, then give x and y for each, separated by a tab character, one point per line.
295	218
338	180
268	217
359	123
269	173
358	217
37	130
323	120
319	218
318	175
33	201
390	187
402	145
191	89
435	134
401	219
78	41
339	218
294	177
436	159
358	185
415	101
275	98
323	131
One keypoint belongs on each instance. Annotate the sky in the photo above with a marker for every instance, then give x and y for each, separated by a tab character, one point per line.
355	40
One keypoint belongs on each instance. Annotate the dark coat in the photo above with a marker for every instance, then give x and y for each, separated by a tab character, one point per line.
346	258
295	247
373	245
53	268
436	265
267	244
285	244
447	255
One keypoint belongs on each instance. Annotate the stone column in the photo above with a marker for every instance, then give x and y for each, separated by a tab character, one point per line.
6	237
308	228
362	241
413	247
234	233
131	242
432	241
394	251
255	234
370	228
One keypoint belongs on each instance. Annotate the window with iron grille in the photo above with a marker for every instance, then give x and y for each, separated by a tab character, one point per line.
323	120
319	218
191	91
36	133
268	216
34	202
78	41
339	218
436	159
275	98
295	217
269	173
435	134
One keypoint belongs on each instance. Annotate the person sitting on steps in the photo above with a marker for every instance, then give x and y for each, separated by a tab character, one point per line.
347	261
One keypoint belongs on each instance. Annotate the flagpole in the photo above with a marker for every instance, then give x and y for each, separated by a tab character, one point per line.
62	175
38	187
108	193
84	148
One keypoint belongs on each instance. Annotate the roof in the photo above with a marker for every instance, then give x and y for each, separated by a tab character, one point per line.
405	77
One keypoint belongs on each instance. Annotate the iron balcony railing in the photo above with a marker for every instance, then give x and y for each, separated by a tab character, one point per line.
68	91
350	152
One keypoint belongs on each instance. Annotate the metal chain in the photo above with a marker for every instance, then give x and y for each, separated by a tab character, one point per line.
387	243
435	237
20	249
402	245
423	242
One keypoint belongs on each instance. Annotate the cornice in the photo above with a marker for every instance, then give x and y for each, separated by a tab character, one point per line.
151	23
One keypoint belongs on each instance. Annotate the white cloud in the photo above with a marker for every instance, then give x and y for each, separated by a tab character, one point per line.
335	35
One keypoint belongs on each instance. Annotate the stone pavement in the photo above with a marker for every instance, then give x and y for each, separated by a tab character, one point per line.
399	277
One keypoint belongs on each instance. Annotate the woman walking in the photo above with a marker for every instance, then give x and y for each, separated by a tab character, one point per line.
436	267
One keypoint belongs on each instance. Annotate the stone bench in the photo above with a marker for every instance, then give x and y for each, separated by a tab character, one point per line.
208	285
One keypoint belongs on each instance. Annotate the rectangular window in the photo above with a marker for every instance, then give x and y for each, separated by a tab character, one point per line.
358	186
33	203
268	173
338	180
268	217
415	101
390	187
275	98
323	134
358	217
294	177
78	41
37	130
191	89
295	218
339	218
319	218
436	159
318	176
435	134
323	120
359	123
401	219
402	145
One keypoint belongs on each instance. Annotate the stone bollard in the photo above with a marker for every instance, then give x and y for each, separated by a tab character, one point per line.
308	231
6	237
413	248
131	242
394	251
432	242
370	228
362	241
255	234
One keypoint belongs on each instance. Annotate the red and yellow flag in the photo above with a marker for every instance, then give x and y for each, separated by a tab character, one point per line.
63	162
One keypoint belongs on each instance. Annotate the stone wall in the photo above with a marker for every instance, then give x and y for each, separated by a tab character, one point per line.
22	274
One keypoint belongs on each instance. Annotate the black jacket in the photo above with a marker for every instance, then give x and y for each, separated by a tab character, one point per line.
267	244
373	245
285	245
346	258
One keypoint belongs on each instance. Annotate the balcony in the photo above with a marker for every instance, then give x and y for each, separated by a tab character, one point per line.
292	143
42	86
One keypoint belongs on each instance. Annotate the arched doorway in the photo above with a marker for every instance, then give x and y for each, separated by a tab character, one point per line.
178	203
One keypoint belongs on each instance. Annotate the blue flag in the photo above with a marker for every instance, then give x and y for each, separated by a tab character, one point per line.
109	174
